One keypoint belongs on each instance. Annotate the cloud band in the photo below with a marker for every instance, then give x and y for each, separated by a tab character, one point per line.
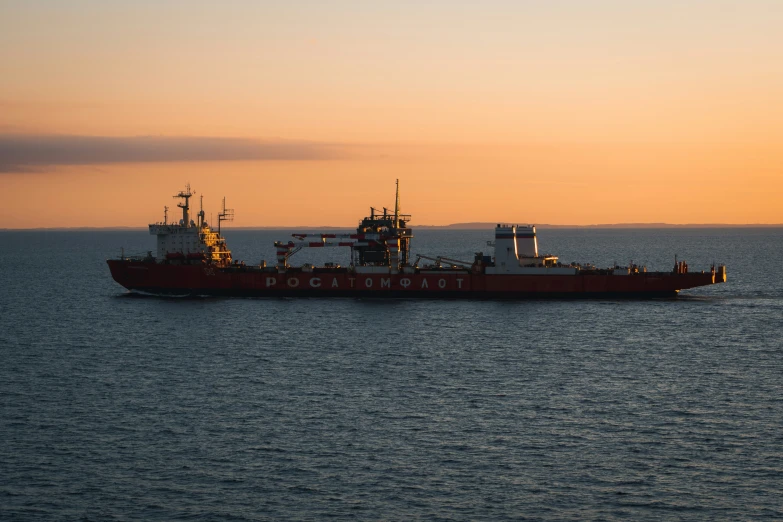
21	153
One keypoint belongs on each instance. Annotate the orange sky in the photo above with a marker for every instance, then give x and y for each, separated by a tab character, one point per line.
562	112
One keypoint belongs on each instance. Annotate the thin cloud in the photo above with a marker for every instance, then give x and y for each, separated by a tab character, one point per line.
30	152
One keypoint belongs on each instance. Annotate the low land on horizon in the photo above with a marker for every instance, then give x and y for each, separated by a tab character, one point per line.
481	225
453	226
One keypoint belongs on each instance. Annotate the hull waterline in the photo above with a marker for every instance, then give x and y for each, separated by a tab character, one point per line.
165	279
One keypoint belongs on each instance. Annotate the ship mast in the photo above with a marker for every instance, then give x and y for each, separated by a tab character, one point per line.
397	207
201	214
227	214
185	194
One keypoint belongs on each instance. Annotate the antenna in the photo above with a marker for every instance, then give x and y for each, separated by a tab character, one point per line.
165	215
227	214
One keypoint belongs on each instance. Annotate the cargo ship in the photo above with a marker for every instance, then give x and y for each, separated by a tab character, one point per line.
192	259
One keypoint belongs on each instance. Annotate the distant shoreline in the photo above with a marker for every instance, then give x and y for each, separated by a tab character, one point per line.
453	226
482	225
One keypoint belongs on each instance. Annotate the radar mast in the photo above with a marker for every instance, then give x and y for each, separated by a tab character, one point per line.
227	214
186	195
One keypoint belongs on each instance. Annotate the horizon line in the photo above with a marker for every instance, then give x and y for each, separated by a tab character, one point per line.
478	225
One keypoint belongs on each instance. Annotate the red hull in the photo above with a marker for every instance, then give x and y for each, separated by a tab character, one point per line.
248	281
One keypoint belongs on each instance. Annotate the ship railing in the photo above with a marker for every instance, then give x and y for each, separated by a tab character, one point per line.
136	256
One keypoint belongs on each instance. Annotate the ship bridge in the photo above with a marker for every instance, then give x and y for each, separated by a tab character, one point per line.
189	239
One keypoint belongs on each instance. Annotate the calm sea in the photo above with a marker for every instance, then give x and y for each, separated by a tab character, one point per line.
117	407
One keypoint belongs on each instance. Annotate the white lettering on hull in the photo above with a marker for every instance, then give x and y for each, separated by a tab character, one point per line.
368	282
424	283
386	283
334	283
315	282
270	281
441	283
293	282
459	283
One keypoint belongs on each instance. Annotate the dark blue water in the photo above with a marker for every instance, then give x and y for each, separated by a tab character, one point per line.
133	408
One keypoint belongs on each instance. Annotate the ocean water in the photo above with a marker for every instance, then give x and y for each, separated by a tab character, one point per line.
117	407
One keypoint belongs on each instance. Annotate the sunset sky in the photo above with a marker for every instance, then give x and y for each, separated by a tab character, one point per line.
304	113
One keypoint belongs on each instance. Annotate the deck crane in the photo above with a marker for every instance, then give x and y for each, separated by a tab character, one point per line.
380	240
286	250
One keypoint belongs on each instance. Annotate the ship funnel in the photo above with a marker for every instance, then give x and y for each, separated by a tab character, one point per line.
527	244
505	247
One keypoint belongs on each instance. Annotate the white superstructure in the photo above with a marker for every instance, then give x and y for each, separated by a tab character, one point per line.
516	252
189	239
